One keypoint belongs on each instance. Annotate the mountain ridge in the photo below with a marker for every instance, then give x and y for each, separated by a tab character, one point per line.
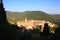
35	15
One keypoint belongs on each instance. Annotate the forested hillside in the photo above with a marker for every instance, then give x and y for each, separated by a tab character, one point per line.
35	15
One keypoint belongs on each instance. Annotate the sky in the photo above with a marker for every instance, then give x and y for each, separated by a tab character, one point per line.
48	6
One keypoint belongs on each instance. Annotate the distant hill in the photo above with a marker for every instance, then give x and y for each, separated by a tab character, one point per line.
35	15
57	15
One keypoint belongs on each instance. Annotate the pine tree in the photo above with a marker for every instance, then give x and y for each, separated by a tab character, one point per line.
46	31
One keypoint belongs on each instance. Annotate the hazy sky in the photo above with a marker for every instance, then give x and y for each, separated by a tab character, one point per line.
48	6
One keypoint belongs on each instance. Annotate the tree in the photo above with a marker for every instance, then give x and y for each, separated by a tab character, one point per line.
57	32
46	31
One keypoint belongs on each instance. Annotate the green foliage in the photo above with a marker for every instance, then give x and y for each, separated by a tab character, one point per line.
35	15
57	32
46	30
37	29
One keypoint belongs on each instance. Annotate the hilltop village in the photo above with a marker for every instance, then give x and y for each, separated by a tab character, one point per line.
29	24
17	30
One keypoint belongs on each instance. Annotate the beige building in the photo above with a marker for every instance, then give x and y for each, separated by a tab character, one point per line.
28	24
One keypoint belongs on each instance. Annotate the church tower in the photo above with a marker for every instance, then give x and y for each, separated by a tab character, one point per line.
3	19
26	19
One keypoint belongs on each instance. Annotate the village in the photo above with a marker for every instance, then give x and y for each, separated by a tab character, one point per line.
30	24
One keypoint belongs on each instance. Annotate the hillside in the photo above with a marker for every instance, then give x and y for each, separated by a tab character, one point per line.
39	15
57	15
